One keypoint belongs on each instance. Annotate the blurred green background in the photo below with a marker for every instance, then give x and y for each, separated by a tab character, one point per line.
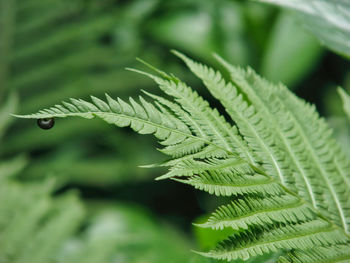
96	204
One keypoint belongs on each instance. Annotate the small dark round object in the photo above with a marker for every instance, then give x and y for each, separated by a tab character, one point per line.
46	123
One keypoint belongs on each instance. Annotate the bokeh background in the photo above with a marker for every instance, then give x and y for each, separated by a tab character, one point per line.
102	207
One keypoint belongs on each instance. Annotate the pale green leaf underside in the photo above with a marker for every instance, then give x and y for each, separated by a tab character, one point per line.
346	101
328	20
288	180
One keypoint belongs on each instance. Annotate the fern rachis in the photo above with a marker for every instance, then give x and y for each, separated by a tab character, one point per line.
288	192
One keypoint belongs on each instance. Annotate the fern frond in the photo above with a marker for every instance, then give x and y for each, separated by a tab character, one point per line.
248	119
264	215
215	126
244	245
61	224
287	181
32	223
331	254
257	211
294	148
142	117
325	157
229	177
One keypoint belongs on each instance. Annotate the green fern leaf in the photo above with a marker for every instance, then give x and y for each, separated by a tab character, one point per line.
298	157
322	255
287	178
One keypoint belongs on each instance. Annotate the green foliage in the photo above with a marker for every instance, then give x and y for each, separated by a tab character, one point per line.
37	227
328	20
52	50
285	60
39	224
59	49
287	178
346	101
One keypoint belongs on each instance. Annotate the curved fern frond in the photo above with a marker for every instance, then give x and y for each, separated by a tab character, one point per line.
298	154
221	132
247	118
142	117
265	216
287	181
258	212
324	155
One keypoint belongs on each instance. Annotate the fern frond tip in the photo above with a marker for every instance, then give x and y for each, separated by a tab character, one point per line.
342	92
182	56
163	177
147	166
160	72
18	115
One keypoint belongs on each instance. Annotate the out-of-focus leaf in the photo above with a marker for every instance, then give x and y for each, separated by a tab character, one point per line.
32	224
194	27
7	21
9	107
258	22
126	233
346	101
328	20
12	167
35	224
291	52
230	30
341	131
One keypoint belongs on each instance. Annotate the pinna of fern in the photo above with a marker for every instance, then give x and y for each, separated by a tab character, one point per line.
288	180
